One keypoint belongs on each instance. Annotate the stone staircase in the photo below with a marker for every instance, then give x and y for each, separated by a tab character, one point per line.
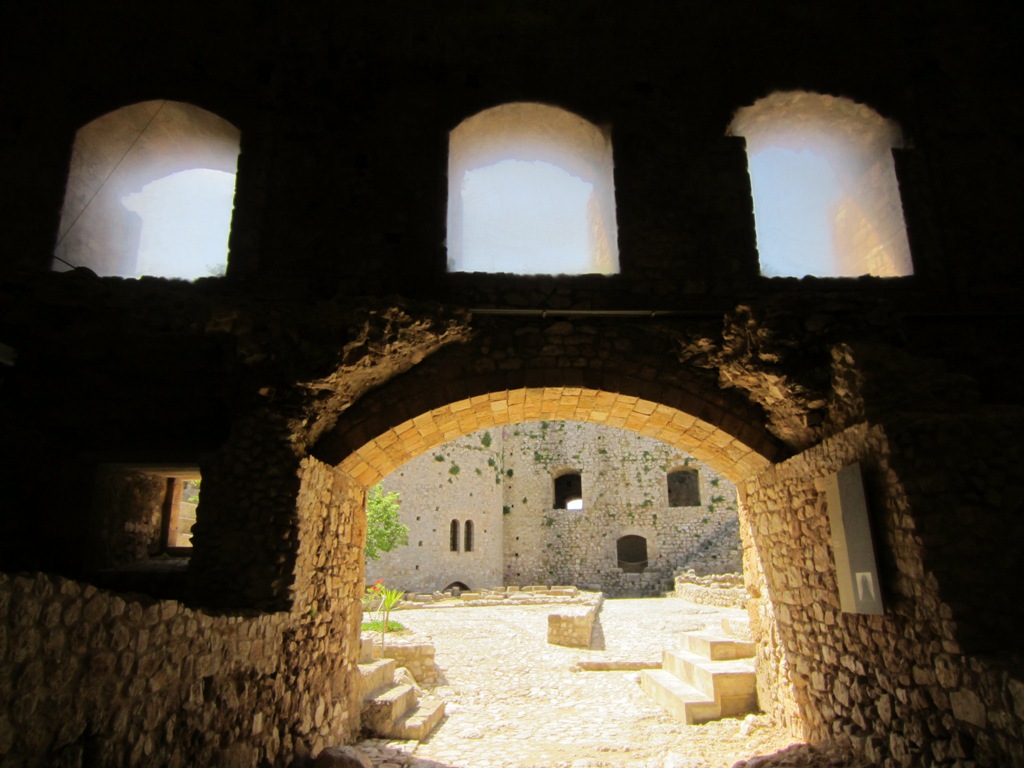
707	678
391	709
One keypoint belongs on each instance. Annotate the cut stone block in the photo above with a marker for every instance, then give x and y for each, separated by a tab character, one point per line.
716	648
376	675
682	701
386	705
418	722
731	684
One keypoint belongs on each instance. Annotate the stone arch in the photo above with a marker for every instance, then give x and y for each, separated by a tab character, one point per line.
374	458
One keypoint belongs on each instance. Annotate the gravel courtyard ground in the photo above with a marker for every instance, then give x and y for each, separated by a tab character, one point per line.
515	700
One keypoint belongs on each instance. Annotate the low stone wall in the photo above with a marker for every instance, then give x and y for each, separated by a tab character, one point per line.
724	590
573	626
414	655
122	680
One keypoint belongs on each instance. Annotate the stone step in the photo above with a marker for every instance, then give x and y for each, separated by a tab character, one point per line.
386	705
730	683
738	628
418	722
716	648
365	650
375	675
682	701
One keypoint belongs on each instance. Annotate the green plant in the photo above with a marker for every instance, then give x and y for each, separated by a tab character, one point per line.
537	456
377	626
548	521
486	439
509	472
438	457
384	531
385	601
506	510
454	469
492	463
191	491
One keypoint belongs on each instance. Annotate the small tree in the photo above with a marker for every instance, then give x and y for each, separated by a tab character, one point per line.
383	530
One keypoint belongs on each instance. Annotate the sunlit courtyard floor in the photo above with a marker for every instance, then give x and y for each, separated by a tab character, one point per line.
514	700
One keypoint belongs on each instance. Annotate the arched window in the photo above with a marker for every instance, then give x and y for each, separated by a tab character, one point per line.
150	192
530	191
684	488
468	540
826	199
453	542
569	491
632	553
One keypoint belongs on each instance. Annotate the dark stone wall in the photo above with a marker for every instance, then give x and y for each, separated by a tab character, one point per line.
344	111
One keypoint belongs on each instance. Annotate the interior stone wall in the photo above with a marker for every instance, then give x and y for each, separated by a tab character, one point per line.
98	678
326	339
902	687
126	515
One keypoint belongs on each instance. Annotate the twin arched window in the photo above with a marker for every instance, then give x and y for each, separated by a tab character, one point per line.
453	536
150	192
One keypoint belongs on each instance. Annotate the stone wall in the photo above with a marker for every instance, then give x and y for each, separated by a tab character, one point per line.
574	626
91	677
345	111
902	686
503	481
723	590
126	517
624	493
455	481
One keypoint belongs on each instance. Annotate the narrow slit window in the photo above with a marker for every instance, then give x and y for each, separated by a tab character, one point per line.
468	542
453	542
826	198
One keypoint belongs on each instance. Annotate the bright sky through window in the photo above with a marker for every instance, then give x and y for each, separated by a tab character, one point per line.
574	504
186	219
531	193
525	217
794	193
826	199
150	192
